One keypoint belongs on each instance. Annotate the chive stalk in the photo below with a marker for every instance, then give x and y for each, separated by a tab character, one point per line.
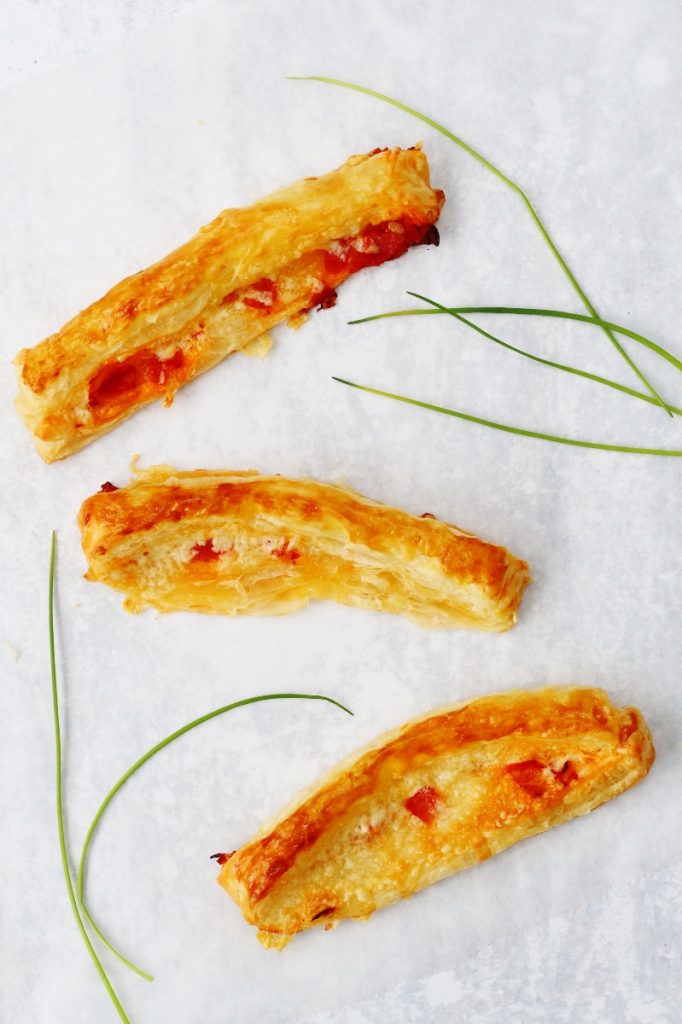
76	899
138	764
60	804
531	311
671	452
437	307
525	200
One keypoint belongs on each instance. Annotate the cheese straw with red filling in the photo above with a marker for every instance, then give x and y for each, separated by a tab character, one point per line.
439	794
242	543
240	275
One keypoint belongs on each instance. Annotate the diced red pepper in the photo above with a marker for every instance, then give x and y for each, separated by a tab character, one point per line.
424	804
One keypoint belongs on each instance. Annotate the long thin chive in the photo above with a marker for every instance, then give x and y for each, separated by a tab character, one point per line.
112	949
60	807
538	359
142	760
531	311
515	188
512	430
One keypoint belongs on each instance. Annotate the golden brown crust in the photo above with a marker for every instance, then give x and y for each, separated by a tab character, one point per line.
246	271
439	794
238	543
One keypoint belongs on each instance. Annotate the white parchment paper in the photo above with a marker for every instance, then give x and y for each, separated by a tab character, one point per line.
116	148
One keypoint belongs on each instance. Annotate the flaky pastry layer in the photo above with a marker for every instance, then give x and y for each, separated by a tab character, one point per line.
241	543
437	795
240	275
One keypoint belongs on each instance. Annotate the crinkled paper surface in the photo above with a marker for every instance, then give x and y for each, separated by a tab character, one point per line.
126	126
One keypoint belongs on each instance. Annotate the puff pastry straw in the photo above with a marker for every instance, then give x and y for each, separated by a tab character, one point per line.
240	275
437	795
241	543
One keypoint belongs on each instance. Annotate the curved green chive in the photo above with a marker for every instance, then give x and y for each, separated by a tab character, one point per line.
671	452
519	192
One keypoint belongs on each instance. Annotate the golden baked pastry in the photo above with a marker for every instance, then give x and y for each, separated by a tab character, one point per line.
239	543
439	794
240	275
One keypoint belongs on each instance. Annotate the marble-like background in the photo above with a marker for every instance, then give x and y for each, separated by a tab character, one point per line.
125	125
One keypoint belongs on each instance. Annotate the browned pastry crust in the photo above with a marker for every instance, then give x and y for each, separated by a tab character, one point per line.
240	275
439	794
240	543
